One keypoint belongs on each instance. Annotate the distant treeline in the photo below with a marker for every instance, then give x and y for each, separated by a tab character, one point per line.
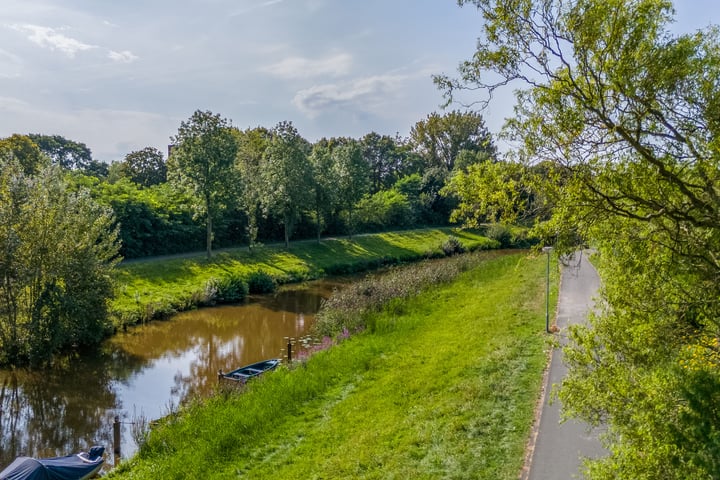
344	185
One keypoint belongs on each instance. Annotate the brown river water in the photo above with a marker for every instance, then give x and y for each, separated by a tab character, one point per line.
145	373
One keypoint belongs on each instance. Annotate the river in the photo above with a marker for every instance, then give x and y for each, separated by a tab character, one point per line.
146	372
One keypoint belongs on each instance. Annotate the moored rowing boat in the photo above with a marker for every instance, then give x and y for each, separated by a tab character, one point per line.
243	374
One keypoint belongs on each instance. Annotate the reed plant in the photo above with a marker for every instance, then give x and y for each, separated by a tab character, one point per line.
349	309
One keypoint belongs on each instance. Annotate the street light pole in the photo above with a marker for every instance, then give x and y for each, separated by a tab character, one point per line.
547	250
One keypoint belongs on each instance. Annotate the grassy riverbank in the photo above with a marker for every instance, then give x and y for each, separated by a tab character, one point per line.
155	288
443	386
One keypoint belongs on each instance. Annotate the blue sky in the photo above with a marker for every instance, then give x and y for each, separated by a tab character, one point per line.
122	75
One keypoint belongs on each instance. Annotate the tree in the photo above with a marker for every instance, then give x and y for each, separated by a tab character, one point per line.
325	195
25	151
351	178
66	153
387	161
202	161
629	114
441	138
155	220
146	167
385	209
252	144
488	193
57	250
97	169
287	175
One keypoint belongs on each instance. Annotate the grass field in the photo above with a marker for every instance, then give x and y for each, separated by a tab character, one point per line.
444	386
155	288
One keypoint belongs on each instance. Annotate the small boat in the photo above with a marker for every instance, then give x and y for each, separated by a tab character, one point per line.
243	374
71	467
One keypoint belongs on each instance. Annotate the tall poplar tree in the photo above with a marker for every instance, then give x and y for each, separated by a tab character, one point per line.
325	194
352	179
287	175
202	161
252	144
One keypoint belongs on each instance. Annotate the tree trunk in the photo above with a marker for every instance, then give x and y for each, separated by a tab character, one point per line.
351	223
251	230
319	225
208	239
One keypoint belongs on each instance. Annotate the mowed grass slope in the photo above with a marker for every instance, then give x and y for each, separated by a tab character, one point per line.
444	386
157	287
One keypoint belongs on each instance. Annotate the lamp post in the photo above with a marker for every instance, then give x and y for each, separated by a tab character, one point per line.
547	250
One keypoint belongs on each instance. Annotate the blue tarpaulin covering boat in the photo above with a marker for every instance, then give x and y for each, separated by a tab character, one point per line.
243	374
71	467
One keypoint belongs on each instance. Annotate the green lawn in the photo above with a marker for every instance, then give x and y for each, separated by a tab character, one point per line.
153	288
444	387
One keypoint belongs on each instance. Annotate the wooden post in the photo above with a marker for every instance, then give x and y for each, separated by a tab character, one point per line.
289	350
116	437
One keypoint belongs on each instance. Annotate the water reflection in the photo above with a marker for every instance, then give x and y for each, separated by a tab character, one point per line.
148	371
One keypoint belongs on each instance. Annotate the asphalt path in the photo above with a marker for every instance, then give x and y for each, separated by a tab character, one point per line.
559	448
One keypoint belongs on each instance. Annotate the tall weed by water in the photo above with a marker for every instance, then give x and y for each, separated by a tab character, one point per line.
348	309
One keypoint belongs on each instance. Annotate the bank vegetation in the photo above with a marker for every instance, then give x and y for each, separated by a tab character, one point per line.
442	383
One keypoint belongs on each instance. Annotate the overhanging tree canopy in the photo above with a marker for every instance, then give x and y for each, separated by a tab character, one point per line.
629	114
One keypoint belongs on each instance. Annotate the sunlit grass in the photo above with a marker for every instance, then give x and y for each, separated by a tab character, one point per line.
152	288
445	387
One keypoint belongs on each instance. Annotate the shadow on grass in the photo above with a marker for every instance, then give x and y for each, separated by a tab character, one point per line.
167	284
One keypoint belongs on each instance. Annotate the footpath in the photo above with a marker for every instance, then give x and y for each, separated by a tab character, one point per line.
560	448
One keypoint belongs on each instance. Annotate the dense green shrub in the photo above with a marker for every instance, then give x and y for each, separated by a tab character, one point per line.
227	289
500	233
383	210
510	236
521	237
152	221
261	282
452	246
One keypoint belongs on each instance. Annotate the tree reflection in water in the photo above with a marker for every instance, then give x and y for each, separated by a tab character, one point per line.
71	405
62	409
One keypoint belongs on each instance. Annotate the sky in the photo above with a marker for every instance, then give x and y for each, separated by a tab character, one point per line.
120	76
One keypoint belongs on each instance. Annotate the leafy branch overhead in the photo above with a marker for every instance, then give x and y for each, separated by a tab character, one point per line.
626	114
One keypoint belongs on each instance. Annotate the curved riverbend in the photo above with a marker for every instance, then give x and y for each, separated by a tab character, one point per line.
147	371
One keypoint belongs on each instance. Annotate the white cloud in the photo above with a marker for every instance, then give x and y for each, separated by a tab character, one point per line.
47	37
365	94
300	67
126	56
